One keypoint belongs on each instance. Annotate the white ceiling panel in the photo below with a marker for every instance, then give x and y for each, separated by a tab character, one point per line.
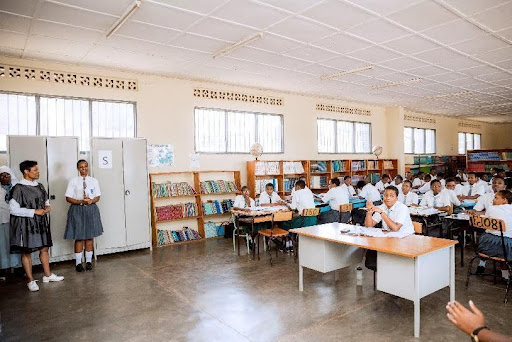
310	53
153	13
423	15
143	31
500	75
378	31
301	29
10	52
37	43
479	45
505	64
221	30
269	58
116	8
130	44
458	64
470	7
171	52
449	76
344	63
341	43
12	40
427	71
318	70
73	16
411	44
337	14
495	56
64	31
25	7
480	70
199	43
249	13
384	7
54	57
198	6
507	33
403	63
374	54
496	18
291	5
437	55
454	32
273	43
14	23
396	77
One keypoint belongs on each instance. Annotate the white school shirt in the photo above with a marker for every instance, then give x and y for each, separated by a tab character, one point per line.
75	188
381	185
459	189
370	193
399	187
302	199
484	202
443	183
503	212
410	198
266	199
293	190
425	187
430	200
398	213
464	177
452	196
476	189
14	207
335	197
487	187
417	182
348	189
240	202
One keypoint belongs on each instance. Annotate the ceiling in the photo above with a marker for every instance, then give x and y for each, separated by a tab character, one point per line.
459	52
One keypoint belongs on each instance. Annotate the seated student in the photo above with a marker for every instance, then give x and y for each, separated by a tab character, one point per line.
440	177
435	198
244	201
433	173
301	178
336	196
484	181
461	173
408	197
426	185
347	186
369	192
398	182
485	201
472	190
383	183
270	198
450	190
490	242
459	188
418	180
302	199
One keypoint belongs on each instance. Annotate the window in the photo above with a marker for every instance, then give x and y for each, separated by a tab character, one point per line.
335	136
224	131
469	141
419	140
54	116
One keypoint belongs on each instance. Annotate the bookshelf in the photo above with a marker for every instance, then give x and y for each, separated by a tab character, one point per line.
486	160
283	174
446	164
181	202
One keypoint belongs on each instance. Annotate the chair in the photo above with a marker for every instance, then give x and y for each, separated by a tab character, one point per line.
252	220
418	228
344	208
450	211
311	212
489	223
273	234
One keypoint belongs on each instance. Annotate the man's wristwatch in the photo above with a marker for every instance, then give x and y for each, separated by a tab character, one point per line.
474	334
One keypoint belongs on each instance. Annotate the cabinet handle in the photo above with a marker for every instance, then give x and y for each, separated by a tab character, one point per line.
127	192
52	197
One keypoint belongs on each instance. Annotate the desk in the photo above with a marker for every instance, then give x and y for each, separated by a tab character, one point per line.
410	268
357	202
462	222
426	216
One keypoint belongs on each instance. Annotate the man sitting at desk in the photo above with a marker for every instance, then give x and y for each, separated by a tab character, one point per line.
347	186
435	198
270	198
472	190
450	190
407	196
336	196
302	199
485	201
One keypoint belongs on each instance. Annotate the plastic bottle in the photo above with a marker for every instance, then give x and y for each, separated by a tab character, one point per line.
359	276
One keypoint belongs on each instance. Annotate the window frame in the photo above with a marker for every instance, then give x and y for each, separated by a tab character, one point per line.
281	116
465	142
88	99
336	135
424	141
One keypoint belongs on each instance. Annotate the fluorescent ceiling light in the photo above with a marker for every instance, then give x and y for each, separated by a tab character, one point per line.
237	45
395	84
343	73
124	18
462	93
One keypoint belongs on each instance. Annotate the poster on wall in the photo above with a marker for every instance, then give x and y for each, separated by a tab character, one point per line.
160	155
105	159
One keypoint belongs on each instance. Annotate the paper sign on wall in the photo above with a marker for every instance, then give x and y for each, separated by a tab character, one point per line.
105	159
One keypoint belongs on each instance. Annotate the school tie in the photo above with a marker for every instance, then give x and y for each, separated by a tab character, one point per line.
85	187
405	198
470	190
270	199
435	202
348	190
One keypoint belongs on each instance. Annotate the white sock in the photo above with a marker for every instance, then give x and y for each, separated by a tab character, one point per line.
482	263
78	258
88	256
505	274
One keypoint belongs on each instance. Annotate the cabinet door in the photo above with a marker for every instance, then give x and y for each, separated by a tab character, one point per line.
28	148
62	158
107	167
136	191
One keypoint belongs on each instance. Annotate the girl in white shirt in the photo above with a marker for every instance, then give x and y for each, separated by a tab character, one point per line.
408	197
490	242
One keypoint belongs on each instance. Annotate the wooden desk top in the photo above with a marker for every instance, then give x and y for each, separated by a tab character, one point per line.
258	212
410	246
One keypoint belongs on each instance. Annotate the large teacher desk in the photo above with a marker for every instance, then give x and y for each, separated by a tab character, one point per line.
412	267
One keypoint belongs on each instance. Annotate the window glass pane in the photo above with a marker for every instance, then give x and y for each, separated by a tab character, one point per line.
270	131
430	136
210	130
476	141
408	142
462	143
17	116
241	131
326	136
362	138
469	141
345	137
113	119
419	140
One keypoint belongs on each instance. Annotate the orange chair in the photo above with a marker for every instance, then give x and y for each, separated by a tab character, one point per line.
274	233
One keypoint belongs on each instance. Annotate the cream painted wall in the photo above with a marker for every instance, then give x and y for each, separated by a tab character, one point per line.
165	115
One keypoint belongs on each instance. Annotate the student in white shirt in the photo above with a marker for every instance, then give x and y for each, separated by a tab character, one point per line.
302	199
418	180
484	181
244	202
435	198
302	178
433	173
485	201
383	183
347	186
440	177
461	173
472	190
270	198
450	190
398	182
336	196
490	243
426	185
459	188
408	197
369	192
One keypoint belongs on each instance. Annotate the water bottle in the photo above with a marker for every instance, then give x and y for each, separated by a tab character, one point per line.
359	276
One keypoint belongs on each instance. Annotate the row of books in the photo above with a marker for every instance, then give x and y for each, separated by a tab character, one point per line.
319	182
217	207
358	165
388	165
289	183
372	165
374	177
166	237
338	166
216	187
267	168
293	167
494	155
176	211
318	166
169	189
486	167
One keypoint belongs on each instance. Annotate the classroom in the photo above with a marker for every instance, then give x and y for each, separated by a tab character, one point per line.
255	170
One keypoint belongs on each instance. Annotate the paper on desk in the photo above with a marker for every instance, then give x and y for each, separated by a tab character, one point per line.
377	232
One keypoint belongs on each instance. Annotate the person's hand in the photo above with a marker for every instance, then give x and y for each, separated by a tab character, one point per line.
88	201
464	319
369	204
47	209
376	209
40	212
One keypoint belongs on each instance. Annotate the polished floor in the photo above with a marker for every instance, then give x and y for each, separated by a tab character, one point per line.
204	292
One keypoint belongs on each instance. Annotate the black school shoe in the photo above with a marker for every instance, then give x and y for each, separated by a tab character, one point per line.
480	270
79	268
88	266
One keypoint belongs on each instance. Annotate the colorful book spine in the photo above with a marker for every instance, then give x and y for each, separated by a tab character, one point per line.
176	211
170	189
218	187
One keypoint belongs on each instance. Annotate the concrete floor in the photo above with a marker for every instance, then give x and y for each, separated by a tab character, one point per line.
204	292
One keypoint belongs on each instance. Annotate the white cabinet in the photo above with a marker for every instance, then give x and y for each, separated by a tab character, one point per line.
120	166
56	158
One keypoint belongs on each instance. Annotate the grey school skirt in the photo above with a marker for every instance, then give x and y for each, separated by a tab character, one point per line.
490	244
84	222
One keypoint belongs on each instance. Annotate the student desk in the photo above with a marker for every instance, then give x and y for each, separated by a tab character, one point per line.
412	267
427	216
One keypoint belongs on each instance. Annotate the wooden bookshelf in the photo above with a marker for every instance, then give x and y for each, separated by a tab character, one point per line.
482	161
446	164
194	179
